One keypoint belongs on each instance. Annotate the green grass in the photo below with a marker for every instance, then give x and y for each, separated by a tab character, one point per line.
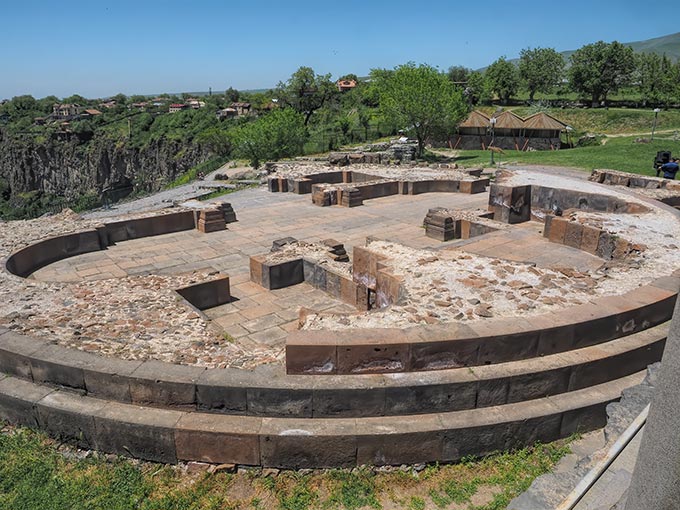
34	475
621	153
206	167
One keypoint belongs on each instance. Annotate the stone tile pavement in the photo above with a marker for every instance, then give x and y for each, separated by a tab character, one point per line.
257	316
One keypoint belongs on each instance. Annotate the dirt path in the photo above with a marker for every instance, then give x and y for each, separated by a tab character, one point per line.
166	198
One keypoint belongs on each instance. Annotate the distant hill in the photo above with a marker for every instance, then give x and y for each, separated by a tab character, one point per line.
668	44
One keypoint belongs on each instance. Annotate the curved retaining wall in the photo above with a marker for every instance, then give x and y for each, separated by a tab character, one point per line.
170	435
483	342
27	260
268	391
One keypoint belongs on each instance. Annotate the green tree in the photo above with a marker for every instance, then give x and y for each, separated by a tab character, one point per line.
306	92
477	89
601	68
421	99
216	139
232	94
503	79
656	78
540	69
279	134
459	75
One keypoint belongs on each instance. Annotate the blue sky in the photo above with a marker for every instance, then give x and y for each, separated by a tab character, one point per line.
99	48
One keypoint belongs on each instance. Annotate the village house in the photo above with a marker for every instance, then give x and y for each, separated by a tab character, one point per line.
195	103
345	85
90	112
226	113
176	107
111	103
241	108
65	110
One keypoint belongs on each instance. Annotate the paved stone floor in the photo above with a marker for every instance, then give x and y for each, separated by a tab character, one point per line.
257	316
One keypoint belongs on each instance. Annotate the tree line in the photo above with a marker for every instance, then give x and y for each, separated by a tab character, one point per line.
594	71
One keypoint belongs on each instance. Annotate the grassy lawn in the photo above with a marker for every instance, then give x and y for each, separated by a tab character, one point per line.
618	153
37	475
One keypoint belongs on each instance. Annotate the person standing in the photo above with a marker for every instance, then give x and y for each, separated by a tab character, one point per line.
670	169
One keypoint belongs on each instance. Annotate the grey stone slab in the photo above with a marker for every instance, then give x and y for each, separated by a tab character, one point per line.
297	444
15	353
17	401
155	382
61	366
224	390
68	416
109	378
139	432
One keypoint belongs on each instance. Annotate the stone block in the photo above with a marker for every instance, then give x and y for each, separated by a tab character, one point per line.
572	234
308	358
207	294
69	416
276	276
349	291
375	351
218	439
18	399
423	398
165	384
109	378
590	238
256	270
395	449
339	398
333	283
437	355
16	352
558	229
621	248
301	444
147	433
273	184
60	366
606	245
501	348
279	401
223	390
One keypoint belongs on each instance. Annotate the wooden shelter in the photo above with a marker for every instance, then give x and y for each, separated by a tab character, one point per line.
476	124
508	124
542	125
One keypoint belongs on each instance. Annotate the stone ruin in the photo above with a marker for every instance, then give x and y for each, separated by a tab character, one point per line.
472	345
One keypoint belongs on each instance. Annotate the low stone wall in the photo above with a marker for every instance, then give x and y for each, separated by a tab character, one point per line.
168	436
269	391
478	343
617	178
291	272
516	204
27	260
592	240
207	294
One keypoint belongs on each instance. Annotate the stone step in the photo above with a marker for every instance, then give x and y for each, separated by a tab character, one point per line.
269	391
168	436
